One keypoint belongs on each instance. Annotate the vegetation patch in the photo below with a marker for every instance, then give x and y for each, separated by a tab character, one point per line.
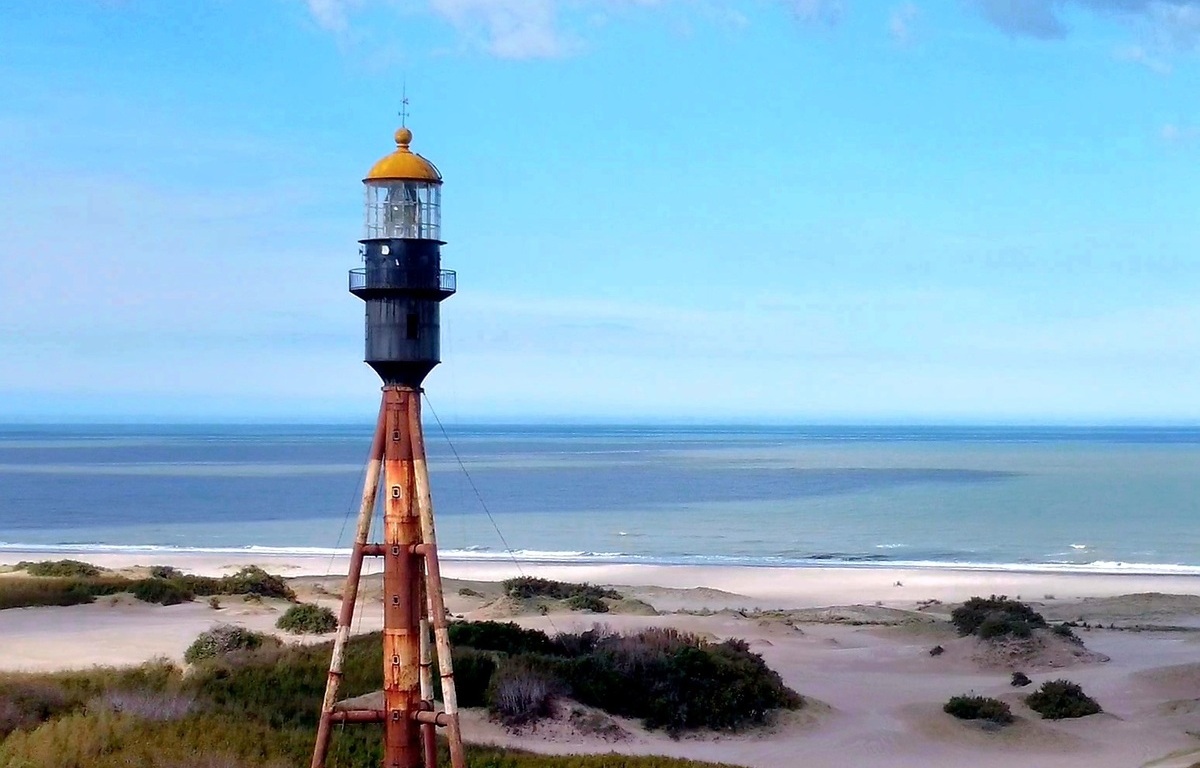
248	709
996	617
1020	680
979	708
1060	699
225	639
307	619
161	591
59	568
667	679
529	588
70	582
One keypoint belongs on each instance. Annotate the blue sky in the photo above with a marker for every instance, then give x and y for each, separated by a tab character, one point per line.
769	210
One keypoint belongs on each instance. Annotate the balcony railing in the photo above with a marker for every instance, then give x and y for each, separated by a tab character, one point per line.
362	279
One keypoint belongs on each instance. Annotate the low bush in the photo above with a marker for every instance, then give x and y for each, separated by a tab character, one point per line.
1020	680
521	692
28	703
468	592
996	617
473	671
223	639
253	580
165	572
677	681
587	603
59	568
529	587
307	619
161	591
1066	631
1060	699
57	584
936	650
147	705
978	708
505	637
17	592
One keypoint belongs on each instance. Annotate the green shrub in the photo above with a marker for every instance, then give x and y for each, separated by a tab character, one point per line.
18	592
307	619
936	650
996	617
677	681
1066	631
468	592
1059	699
223	639
587	603
165	572
473	672
28	703
59	568
505	637
979	708
522	691
253	580
529	587
1020	680
161	591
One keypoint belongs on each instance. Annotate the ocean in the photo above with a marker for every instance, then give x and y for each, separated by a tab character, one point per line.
1087	499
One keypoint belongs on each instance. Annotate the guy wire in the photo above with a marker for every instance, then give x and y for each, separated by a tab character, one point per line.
471	481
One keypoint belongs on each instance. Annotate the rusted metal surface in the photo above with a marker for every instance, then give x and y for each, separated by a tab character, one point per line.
413	601
431	719
358	716
366	513
437	603
401	588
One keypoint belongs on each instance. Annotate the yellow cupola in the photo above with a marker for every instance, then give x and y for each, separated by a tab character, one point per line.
404	164
403	195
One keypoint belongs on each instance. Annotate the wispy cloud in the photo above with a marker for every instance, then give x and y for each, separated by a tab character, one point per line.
1163	27
828	12
900	23
1175	133
547	29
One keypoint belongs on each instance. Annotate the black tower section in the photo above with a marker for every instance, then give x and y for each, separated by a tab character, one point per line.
403	284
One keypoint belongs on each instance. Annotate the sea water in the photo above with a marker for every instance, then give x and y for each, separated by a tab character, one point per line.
1111	499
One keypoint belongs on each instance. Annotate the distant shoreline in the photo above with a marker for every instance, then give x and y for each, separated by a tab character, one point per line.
11	553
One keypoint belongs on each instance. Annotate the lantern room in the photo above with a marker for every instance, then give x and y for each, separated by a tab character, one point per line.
403	196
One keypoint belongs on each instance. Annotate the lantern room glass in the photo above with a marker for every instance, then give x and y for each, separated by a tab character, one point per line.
403	209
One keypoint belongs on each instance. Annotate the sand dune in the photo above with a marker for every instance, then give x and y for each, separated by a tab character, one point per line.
855	644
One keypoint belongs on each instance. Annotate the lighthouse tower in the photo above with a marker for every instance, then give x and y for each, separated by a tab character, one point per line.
402	284
402	281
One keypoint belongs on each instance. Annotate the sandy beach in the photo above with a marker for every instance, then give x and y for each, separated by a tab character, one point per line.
854	641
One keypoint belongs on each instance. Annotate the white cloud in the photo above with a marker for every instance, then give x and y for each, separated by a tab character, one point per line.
1163	27
510	29
817	11
901	21
1173	133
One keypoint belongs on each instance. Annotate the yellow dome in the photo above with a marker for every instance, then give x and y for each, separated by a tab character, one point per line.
404	164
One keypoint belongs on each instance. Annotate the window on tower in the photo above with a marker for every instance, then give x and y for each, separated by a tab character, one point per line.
403	209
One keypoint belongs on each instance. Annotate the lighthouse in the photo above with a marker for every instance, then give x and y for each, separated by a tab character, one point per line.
402	280
402	284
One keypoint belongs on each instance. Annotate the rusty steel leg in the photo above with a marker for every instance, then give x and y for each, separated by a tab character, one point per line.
428	730
433	583
366	513
401	588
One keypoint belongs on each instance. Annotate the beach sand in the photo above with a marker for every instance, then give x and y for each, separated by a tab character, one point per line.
854	641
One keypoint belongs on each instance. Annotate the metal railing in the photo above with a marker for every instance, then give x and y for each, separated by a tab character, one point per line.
362	279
